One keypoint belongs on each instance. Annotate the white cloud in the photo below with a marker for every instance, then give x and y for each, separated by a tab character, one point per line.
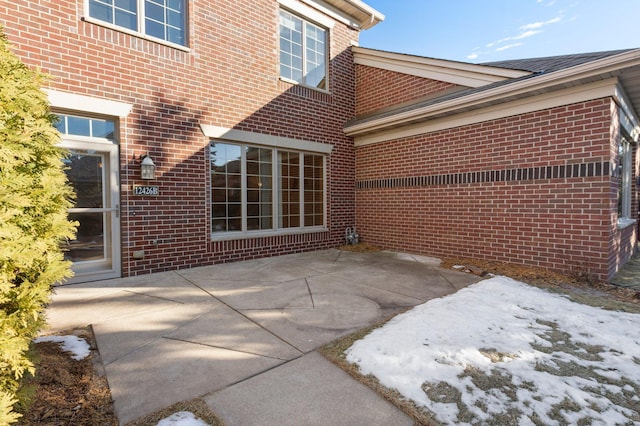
526	31
536	25
525	35
508	46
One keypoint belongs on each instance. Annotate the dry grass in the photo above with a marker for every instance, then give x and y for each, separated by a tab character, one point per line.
67	391
70	392
578	288
196	406
335	352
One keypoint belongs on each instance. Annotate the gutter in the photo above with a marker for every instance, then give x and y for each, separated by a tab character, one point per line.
375	16
541	82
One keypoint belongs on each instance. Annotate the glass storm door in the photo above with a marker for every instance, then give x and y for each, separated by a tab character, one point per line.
92	171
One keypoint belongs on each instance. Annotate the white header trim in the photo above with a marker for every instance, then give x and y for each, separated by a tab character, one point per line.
75	102
597	90
263	139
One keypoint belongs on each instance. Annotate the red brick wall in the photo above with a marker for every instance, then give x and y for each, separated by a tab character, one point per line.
229	78
533	189
378	88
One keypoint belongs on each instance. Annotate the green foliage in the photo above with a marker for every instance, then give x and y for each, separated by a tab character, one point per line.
34	197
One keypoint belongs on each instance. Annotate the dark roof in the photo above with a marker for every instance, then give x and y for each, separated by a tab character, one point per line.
553	63
537	67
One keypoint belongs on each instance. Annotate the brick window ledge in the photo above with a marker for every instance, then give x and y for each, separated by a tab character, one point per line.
626	222
230	236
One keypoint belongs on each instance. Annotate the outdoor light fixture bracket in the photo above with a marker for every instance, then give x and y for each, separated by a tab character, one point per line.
147	167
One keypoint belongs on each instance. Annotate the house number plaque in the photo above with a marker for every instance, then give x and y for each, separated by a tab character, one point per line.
145	190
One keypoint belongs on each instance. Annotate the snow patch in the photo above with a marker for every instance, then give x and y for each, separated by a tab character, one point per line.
501	350
78	347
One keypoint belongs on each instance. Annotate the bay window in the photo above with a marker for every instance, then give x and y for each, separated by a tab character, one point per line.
258	189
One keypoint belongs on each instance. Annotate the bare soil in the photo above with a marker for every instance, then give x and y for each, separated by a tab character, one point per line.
68	391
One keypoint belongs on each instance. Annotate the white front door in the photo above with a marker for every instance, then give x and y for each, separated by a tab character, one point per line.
92	170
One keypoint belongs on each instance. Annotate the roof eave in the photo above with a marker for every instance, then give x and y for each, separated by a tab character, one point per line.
523	88
364	16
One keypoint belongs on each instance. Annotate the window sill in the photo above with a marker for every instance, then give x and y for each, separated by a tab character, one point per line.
134	33
295	83
230	236
626	222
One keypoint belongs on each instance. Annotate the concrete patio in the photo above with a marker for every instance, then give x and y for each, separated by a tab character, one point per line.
243	335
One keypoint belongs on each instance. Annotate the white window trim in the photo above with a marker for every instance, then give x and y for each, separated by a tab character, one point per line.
140	34
625	218
87	104
216	132
306	19
246	234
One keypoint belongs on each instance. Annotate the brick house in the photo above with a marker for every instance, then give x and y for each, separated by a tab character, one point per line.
269	132
240	106
528	161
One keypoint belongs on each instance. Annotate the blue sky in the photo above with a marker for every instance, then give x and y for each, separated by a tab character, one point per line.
490	30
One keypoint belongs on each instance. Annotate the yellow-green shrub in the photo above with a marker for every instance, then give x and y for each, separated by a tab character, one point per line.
34	197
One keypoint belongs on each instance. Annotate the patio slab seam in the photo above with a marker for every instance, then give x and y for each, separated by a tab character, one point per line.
245	316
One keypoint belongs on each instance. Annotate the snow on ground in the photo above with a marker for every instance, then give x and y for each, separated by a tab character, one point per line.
182	418
501	351
78	347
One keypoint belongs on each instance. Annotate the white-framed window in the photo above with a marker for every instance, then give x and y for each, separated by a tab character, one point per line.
257	189
164	20
623	174
303	51
86	126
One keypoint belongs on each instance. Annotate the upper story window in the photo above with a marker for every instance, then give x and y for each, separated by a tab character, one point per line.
162	19
303	51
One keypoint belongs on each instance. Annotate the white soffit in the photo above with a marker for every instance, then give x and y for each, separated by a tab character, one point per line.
87	104
461	73
364	15
307	12
225	133
353	13
596	90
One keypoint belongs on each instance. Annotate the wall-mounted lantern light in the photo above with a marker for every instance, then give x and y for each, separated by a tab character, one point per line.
147	168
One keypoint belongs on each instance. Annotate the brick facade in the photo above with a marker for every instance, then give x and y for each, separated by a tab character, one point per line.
229	78
379	88
533	189
536	188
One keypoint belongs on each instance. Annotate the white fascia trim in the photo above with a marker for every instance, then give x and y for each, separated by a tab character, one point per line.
312	14
566	76
469	75
216	132
597	90
87	104
628	118
340	13
375	16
